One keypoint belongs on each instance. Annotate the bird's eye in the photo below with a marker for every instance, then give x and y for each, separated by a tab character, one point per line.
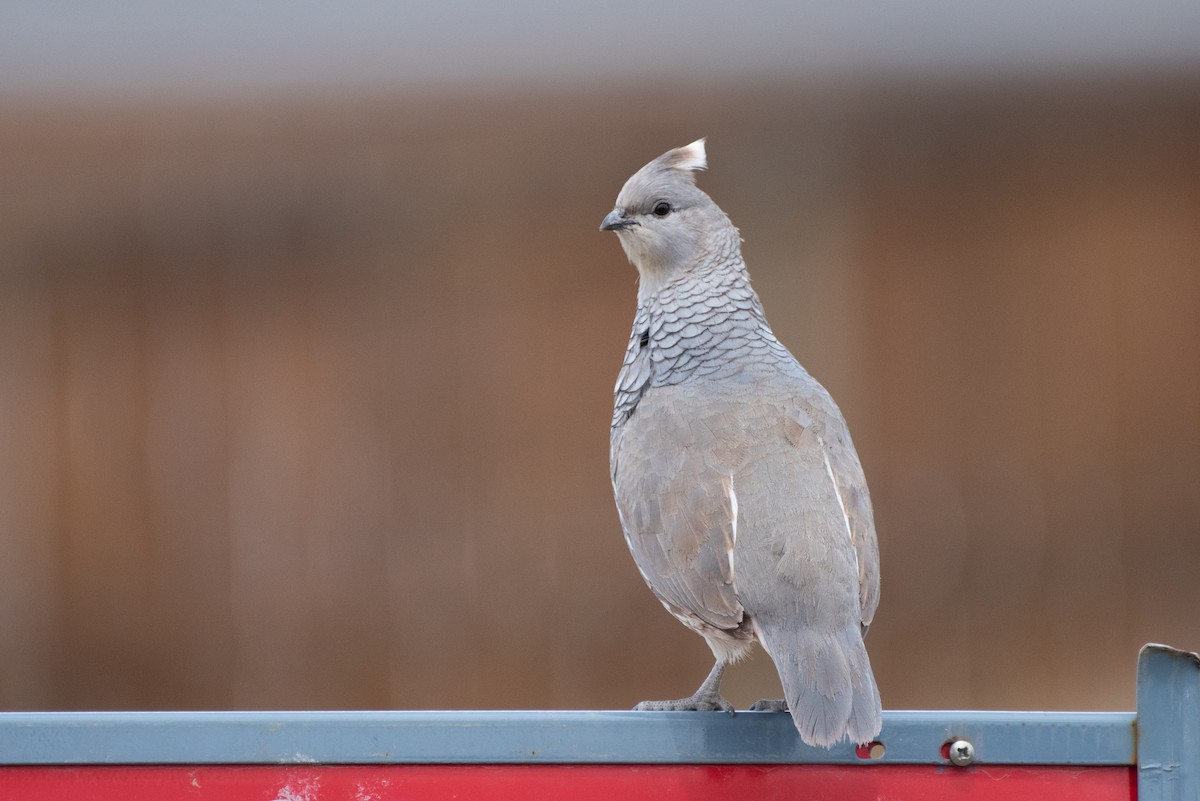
662	208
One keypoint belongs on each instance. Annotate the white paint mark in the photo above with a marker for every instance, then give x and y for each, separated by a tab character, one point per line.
370	791
299	788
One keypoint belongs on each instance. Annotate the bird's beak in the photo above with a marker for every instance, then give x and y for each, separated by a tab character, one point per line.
615	221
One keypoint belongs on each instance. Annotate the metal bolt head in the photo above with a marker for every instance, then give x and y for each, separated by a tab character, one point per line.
962	753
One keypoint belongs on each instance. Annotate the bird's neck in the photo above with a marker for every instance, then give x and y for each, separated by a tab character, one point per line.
691	327
713	291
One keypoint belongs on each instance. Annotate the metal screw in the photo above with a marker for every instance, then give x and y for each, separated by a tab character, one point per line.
962	753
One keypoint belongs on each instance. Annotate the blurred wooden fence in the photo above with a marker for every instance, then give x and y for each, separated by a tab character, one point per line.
306	404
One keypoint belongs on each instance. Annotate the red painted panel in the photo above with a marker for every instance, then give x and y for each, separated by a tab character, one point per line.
574	782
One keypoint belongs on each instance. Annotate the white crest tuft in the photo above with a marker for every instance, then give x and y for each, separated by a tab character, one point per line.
691	157
686	158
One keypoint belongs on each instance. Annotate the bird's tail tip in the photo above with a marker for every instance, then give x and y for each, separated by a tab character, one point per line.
829	686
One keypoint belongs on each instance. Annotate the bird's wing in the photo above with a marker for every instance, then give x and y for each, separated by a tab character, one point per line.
830	481
678	512
855	501
796	551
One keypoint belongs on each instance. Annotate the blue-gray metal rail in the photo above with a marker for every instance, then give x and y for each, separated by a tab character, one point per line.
131	738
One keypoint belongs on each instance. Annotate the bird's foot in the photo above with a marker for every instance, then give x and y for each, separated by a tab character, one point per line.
770	705
699	702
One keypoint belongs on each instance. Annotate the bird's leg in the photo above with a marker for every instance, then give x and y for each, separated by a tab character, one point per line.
707	697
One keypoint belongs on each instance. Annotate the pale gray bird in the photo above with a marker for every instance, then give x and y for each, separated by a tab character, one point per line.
741	495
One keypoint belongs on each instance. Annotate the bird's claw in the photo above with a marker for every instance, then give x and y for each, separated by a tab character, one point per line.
700	702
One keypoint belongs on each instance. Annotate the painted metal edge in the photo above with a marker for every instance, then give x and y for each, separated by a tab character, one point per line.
554	782
540	737
1168	728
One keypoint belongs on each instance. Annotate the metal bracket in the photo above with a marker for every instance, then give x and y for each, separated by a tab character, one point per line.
1168	724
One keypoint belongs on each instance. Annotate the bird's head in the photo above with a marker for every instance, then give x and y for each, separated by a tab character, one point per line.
665	223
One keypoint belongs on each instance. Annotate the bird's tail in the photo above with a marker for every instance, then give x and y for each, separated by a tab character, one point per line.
827	682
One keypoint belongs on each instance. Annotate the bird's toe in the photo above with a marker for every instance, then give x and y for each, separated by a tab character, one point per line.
770	705
700	702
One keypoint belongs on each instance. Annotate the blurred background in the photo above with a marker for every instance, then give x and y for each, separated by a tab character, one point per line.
308	338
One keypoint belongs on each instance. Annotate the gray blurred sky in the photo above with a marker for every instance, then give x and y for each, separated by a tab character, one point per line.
72	46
